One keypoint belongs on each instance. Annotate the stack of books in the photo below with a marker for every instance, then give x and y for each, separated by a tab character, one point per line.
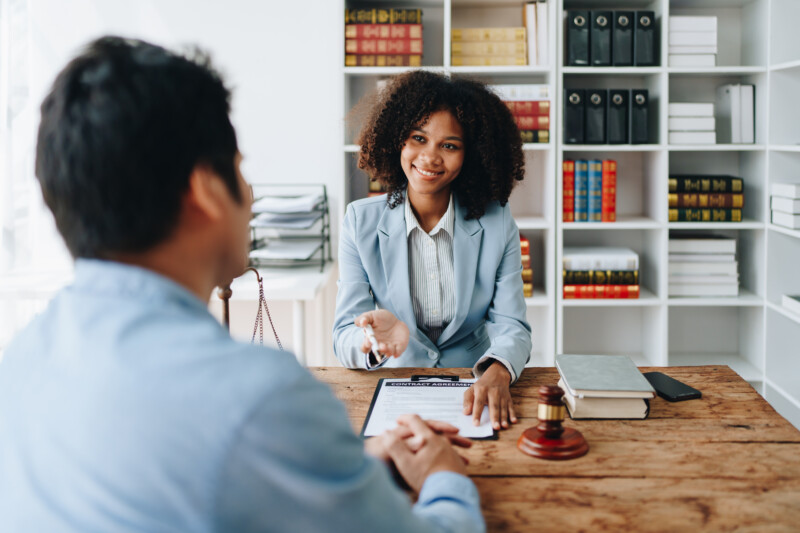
692	41
590	190
701	198
702	265
485	47
534	16
603	386
383	37
532	118
527	270
735	114
591	272
785	205
530	105
692	123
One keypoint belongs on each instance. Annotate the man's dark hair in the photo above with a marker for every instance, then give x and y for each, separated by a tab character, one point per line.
122	128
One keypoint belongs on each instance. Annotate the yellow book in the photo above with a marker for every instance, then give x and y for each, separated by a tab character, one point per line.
488	48
488	34
487	61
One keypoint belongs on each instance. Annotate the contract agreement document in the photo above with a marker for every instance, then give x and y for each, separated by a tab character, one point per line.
437	399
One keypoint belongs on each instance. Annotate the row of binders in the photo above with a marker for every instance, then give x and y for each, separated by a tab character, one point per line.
606	116
604	38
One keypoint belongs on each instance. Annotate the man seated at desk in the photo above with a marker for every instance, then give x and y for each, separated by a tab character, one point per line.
125	406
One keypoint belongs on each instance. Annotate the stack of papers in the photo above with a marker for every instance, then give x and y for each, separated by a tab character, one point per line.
286	249
288	204
286	221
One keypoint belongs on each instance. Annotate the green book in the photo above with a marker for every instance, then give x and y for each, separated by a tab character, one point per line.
603	376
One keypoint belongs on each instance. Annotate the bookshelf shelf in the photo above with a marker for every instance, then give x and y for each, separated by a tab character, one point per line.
786	231
758	44
736	362
785	312
623	222
744	224
716	148
745	299
611	147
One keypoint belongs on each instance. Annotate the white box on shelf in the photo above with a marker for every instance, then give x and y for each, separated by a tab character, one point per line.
711	279
696	23
691	110
701	290
704	244
701	258
696	269
693	49
792	303
692	137
692	60
786	190
691	124
786	220
692	38
785	205
729	114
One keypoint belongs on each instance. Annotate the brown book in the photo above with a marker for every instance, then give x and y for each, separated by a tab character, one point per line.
568	197
537	108
601	277
716	184
488	34
706	200
383	31
383	46
535	136
488	61
529	122
705	215
527	290
527	275
380	60
382	16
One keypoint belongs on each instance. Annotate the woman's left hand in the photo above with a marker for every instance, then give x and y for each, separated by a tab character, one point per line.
492	389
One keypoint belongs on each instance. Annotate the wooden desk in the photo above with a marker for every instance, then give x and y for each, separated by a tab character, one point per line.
727	461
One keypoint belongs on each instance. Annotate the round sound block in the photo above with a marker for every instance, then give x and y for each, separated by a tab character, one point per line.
569	445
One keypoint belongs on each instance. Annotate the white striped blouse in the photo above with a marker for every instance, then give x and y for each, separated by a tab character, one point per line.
431	271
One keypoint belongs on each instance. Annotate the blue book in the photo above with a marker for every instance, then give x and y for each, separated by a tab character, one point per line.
581	191
595	190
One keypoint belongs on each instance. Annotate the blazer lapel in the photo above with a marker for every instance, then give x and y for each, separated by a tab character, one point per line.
394	256
466	252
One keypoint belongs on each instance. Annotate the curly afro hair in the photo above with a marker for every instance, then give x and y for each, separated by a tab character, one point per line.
493	159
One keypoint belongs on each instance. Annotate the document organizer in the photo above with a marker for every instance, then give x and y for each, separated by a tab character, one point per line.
290	226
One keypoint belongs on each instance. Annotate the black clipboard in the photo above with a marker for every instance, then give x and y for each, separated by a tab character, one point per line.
417	378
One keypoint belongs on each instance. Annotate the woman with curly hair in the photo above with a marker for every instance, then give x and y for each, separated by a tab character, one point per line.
434	266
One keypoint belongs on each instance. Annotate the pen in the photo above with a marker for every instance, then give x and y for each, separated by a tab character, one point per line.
373	341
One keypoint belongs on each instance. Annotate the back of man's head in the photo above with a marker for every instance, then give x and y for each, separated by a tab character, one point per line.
122	129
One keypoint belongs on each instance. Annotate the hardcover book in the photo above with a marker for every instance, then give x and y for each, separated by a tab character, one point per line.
488	34
786	190
595	190
786	220
382	16
529	108
581	191
602	376
609	200
711	183
383	60
383	46
599	258
487	48
532	122
383	31
701	243
785	205
487	61
535	136
719	200
606	408
600	292
568	198
601	277
705	215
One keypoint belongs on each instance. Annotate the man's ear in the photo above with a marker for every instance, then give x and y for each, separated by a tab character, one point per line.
206	193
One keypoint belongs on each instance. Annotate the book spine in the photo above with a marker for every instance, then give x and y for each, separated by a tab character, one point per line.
614	292
488	48
609	193
533	122
535	136
488	34
607	262
705	215
526	260
527	290
383	60
707	184
581	191
568	197
528	108
595	191
524	245
487	61
700	200
382	16
383	46
601	277
383	31
527	275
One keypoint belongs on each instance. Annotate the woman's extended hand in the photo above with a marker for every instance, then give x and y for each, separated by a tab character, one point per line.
392	334
492	389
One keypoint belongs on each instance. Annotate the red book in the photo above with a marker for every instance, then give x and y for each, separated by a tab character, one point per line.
383	46
383	31
531	108
524	245
608	208
382	60
531	122
568	196
614	292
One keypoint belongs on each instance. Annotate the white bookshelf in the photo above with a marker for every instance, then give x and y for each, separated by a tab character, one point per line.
759	44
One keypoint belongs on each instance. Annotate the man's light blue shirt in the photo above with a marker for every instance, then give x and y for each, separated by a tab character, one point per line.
125	406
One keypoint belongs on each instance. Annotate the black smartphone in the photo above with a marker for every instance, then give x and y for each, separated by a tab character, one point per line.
671	389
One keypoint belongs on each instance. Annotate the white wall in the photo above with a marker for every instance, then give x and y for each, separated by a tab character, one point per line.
278	56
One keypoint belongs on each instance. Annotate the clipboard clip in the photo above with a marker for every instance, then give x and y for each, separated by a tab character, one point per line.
423	377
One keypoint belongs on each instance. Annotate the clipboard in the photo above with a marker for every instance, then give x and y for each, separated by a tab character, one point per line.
391	392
